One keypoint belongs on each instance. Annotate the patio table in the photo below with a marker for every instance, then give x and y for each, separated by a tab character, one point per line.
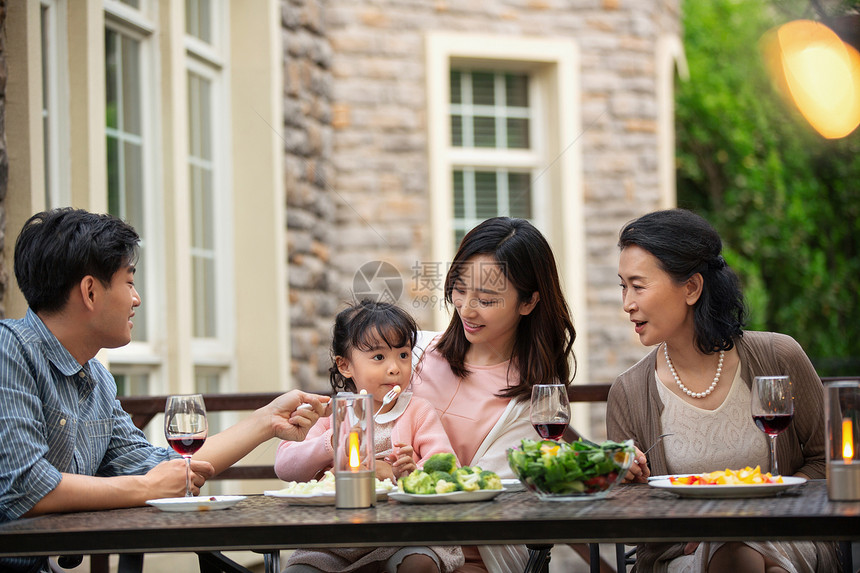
631	513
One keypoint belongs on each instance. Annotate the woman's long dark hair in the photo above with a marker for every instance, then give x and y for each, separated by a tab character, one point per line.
543	346
363	325
685	244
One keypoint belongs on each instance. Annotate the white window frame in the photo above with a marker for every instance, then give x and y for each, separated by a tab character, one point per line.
495	159
669	57
57	104
208	61
554	63
139	356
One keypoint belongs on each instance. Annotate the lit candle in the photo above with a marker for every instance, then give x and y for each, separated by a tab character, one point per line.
354	458
847	440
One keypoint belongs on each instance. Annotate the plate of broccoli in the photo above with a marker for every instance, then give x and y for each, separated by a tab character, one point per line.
441	481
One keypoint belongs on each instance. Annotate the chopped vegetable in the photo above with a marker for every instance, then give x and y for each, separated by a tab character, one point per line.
466	478
418	482
444	462
489	480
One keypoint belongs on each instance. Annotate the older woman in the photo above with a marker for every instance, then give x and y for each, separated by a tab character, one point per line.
684	301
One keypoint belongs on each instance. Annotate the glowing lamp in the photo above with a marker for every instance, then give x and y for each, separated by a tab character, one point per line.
841	411
818	72
847	441
354	460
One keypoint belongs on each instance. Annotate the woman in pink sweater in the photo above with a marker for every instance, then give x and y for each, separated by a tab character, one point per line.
372	351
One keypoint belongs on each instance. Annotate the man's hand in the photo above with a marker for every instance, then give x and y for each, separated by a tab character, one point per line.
167	479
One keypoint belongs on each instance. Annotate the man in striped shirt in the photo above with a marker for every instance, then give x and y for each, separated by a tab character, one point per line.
65	442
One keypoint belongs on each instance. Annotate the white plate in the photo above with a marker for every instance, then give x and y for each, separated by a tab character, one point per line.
512	484
201	503
322	498
715	491
453	497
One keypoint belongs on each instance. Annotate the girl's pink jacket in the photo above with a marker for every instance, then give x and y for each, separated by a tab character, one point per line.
419	425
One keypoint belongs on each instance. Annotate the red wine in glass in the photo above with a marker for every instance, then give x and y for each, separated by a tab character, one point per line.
772	408
186	445
186	428
550	410
551	431
772	425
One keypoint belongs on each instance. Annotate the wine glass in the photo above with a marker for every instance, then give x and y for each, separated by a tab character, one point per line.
186	428
550	410
772	409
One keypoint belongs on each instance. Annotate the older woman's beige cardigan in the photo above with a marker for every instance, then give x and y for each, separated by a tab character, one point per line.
634	409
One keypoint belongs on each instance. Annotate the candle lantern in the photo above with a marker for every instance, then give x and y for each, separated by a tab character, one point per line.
354	462
842	429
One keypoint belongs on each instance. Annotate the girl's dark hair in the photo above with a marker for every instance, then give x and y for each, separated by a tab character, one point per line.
685	244
363	326
57	249
543	346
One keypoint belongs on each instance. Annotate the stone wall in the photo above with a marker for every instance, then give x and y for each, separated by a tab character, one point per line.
373	155
310	194
4	161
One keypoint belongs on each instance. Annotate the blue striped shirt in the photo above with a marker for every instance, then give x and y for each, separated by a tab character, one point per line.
58	416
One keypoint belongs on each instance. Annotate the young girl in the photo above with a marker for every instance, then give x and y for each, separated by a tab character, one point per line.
372	351
511	329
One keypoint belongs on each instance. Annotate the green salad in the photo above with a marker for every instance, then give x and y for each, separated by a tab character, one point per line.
560	468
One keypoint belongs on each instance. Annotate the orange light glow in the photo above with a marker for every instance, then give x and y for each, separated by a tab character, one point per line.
354	458
813	68
847	440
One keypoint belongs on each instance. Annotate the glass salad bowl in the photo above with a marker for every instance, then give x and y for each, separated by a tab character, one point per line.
559	471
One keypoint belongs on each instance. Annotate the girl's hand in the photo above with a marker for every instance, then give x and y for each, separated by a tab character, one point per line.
401	460
384	470
639	471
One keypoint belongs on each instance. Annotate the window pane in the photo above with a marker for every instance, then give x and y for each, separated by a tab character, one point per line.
125	169
518	133
133	179
486	200
483	88
456	78
456	131
517	90
459	210
208	382
111	87
46	119
485	131
131	384
202	197
520	201
198	19
203	270
131	86
132	3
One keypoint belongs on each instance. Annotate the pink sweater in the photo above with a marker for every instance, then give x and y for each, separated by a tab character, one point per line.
417	425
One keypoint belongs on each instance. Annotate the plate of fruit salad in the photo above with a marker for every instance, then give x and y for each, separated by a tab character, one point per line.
742	483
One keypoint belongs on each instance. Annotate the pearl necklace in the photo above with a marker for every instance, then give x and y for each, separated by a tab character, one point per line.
680	384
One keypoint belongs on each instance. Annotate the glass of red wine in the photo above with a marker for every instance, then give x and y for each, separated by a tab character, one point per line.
772	409
550	410
186	428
